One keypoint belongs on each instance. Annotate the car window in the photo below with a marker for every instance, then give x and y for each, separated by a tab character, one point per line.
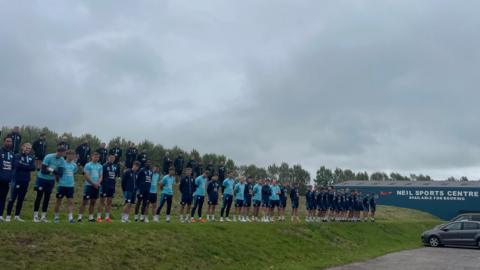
454	226
462	217
476	218
470	226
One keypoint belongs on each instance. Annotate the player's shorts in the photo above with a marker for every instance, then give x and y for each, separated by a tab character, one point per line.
213	200
283	203
142	195
129	197
257	203
107	191
295	204
89	192
238	203
45	185
265	203
65	192
274	203
373	208
310	206
152	198
366	207
186	200
247	202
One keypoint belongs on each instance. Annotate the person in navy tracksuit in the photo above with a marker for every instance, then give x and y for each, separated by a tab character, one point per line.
24	164
6	171
16	139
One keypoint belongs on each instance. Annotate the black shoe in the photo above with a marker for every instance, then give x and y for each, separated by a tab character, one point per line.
91	220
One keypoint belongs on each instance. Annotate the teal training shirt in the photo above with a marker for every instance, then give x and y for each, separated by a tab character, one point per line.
68	178
257	192
275	193
154	184
228	186
240	191
53	162
167	184
200	183
94	170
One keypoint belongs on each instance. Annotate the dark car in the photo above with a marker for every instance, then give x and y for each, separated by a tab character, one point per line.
457	233
467	217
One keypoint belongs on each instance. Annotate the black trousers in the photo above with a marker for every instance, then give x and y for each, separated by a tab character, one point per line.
226	205
4	187
168	199
198	203
19	191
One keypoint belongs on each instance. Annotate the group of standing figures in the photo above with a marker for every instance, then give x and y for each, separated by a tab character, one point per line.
143	184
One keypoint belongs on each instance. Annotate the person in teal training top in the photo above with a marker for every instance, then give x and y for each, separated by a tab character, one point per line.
93	172
66	186
167	194
227	187
274	199
152	197
257	199
239	191
199	196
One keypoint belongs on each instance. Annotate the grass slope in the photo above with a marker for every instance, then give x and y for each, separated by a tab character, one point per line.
207	246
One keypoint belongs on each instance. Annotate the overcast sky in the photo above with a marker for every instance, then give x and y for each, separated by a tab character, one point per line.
374	85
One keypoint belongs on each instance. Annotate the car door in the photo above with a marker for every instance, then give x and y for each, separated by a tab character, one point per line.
450	234
468	233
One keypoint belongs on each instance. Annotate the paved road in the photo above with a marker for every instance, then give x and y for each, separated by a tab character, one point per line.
422	259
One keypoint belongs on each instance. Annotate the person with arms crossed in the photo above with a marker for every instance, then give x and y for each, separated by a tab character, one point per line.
212	191
283	201
66	186
295	200
274	199
152	196
266	192
310	203
227	187
129	179
167	194
53	166
93	174
24	165
247	203
199	196
187	187
239	191
111	171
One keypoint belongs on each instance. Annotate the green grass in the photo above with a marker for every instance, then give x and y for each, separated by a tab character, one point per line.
205	246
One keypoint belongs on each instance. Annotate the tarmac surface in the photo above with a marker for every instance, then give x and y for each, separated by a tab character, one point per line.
422	259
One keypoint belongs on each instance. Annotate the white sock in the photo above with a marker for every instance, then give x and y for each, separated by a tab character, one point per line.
35	214
142	217
90	217
56	215
44	215
80	216
70	216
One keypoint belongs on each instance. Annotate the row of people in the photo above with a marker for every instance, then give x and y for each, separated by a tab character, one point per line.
140	185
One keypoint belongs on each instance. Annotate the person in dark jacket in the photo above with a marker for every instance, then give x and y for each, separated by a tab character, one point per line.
131	155
167	163
221	172
103	152
211	168
16	139
64	143
295	200
144	180
178	164
142	158
187	186
117	152
198	170
83	153
24	165
129	179
40	149
7	159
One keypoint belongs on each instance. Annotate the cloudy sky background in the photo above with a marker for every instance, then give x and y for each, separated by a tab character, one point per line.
374	85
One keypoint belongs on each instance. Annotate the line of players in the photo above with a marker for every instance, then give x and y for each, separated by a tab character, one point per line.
327	204
141	182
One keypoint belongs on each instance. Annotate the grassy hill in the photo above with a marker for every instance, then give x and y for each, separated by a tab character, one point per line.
204	246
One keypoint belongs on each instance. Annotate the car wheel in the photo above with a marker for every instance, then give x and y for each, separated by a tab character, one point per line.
434	241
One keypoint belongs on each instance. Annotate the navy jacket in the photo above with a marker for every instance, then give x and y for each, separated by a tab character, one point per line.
110	172
7	165
178	164
294	194
129	179
24	165
40	148
144	180
130	156
83	152
212	190
16	140
187	185
103	155
117	152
